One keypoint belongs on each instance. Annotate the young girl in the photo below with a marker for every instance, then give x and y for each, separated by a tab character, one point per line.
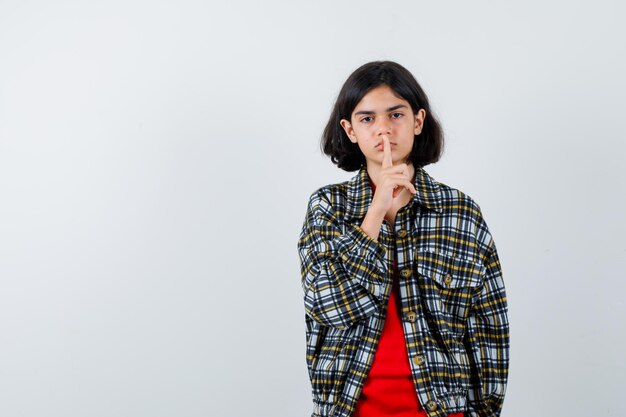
406	312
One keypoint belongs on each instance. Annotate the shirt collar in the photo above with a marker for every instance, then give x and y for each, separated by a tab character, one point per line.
360	193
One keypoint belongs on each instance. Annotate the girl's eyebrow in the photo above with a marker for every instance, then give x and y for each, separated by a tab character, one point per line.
392	108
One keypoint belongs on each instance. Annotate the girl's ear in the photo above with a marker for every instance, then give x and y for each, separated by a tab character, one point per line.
419	121
348	129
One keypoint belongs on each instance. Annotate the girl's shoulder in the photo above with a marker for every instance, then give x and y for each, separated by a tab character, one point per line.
338	193
454	197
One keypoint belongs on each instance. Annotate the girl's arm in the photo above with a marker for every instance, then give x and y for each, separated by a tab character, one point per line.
344	272
487	339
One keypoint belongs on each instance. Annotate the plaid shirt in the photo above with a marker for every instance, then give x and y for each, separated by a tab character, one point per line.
452	297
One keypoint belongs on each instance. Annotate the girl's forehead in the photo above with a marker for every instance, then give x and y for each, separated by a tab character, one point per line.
380	98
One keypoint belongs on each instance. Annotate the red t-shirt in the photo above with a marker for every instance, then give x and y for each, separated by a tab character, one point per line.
389	388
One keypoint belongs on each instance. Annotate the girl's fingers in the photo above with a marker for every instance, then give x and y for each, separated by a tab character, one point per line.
406	185
387	161
398	190
397	169
398	177
400	181
398	174
405	171
409	186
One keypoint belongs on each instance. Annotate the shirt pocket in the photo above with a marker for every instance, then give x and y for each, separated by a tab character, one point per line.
448	287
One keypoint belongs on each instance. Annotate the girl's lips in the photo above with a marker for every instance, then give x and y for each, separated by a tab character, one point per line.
381	146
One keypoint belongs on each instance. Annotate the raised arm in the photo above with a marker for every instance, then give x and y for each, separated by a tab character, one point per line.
344	272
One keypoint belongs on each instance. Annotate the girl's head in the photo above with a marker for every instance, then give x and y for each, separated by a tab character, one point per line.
382	98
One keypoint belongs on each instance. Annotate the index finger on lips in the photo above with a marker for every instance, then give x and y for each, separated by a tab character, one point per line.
387	161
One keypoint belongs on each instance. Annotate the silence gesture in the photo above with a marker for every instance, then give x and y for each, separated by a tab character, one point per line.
393	180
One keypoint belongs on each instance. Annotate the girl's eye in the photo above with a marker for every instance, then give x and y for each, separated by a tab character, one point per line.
396	114
366	119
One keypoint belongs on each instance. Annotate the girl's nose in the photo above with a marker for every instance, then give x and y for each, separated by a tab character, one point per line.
384	128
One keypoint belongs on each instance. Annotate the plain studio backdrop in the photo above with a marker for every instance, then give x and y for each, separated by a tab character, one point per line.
156	159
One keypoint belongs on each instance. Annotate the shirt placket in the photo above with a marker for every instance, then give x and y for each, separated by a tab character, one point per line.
403	231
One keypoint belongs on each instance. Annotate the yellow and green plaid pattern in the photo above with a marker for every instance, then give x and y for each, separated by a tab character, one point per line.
452	296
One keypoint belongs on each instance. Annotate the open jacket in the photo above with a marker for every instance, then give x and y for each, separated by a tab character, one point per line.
452	297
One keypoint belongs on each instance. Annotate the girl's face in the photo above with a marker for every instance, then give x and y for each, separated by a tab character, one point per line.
382	112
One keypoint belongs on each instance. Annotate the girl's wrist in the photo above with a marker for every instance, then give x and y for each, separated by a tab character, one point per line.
376	212
372	222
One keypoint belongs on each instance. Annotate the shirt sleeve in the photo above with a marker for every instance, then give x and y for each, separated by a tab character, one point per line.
343	270
487	339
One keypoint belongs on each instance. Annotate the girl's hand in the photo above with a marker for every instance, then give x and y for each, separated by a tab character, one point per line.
393	178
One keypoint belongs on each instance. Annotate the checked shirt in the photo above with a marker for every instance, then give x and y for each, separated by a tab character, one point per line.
452	297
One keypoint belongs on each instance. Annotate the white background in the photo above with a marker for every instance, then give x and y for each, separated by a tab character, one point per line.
156	158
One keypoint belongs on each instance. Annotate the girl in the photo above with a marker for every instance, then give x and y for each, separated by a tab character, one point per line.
406	312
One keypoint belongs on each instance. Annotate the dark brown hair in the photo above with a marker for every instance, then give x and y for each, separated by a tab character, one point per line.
428	145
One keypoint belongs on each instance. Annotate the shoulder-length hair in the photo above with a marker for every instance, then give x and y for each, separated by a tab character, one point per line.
427	146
